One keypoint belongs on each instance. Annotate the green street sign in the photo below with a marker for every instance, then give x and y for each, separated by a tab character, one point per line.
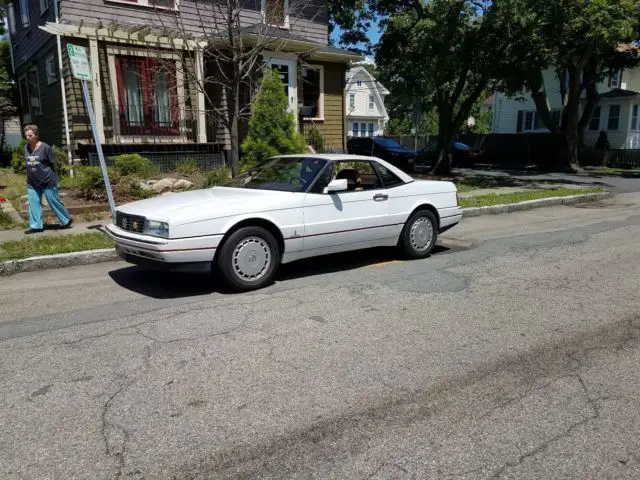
79	62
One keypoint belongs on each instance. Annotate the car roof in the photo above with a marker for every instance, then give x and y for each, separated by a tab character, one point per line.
347	157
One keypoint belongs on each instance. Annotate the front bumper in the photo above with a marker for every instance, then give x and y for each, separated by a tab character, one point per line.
145	249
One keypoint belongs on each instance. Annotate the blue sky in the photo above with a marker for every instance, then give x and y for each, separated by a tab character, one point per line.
373	33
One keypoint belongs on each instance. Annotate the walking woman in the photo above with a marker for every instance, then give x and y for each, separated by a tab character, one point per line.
42	179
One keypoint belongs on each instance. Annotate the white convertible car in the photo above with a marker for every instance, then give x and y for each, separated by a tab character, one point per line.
290	207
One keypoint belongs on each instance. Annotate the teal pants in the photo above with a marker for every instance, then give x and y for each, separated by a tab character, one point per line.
35	206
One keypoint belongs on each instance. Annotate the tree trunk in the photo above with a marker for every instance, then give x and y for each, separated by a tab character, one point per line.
234	153
445	137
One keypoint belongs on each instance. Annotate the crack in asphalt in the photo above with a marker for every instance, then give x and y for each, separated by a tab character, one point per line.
302	448
108	427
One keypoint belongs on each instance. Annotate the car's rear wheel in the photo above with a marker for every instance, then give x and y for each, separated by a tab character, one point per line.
419	234
248	259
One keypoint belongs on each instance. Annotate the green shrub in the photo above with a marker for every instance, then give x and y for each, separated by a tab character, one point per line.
272	127
89	180
135	164
316	139
187	167
17	158
129	186
217	176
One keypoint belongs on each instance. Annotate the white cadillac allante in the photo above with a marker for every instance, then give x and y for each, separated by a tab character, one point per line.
288	208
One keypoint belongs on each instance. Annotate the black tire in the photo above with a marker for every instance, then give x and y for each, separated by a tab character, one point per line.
416	233
237	252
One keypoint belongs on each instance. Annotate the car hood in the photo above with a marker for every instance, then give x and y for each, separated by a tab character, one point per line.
210	203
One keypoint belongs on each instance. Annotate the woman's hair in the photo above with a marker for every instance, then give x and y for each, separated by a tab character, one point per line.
33	128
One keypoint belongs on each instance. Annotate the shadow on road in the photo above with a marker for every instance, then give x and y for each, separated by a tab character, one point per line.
167	285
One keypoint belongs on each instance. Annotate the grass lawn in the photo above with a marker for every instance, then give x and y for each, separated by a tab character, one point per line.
617	171
501	199
50	245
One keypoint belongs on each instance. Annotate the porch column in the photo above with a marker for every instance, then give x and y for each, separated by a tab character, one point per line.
201	113
96	88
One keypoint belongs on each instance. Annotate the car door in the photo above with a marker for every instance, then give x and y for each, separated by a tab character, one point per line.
347	220
400	202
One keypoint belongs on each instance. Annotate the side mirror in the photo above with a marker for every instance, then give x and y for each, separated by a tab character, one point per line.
338	185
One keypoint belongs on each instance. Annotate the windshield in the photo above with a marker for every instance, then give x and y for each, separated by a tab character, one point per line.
284	174
388	143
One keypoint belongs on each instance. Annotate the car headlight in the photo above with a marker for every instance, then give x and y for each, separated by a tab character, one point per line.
156	229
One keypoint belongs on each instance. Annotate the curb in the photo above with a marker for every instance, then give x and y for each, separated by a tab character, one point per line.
62	260
89	257
531	204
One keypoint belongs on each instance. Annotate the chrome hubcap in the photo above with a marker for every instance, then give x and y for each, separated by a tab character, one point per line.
251	258
421	234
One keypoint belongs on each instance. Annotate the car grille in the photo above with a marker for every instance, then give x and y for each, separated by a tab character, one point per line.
130	223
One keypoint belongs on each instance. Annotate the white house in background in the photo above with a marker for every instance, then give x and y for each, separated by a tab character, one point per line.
366	113
616	113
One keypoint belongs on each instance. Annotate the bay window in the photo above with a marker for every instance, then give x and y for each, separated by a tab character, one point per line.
147	96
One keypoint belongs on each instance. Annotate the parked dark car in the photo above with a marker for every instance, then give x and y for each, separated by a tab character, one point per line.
384	148
462	155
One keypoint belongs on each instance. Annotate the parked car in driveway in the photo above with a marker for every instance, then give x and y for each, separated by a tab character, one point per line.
386	149
289	208
462	155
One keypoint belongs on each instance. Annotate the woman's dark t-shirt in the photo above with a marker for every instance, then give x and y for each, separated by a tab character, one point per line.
40	166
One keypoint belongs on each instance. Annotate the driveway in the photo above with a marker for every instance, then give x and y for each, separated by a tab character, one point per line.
512	352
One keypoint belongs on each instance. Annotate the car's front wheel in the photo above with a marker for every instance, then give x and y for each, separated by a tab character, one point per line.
419	234
248	259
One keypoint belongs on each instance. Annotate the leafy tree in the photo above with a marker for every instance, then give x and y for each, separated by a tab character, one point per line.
446	54
582	41
272	127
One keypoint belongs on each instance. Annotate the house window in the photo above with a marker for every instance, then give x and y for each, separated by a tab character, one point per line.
30	95
614	117
313	92
370	129
147	96
634	118
371	102
356	132
24	13
52	70
352	101
594	124
276	12
167	4
615	78
359	83
11	14
44	5
530	121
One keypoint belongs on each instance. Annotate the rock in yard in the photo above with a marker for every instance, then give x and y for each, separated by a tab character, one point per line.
163	185
146	185
182	184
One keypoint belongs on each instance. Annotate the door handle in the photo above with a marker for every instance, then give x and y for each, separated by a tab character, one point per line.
380	197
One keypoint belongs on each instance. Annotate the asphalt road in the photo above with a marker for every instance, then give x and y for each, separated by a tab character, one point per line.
512	352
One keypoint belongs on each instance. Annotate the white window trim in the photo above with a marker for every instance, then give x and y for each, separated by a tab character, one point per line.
637	129
112	52
52	77
371	105
26	114
147	4
352	105
320	116
263	9
609	117
11	18
25	3
617	82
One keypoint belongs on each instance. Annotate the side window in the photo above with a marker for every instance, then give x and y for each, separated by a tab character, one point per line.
389	179
360	175
323	180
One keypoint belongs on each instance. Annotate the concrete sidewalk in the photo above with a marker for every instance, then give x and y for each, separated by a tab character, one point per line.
51	230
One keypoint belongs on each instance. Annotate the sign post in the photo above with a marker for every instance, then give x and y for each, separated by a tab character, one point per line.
82	71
